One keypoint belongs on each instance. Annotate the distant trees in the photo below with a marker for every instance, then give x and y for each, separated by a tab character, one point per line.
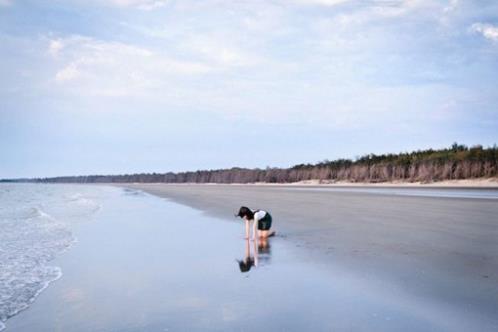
456	162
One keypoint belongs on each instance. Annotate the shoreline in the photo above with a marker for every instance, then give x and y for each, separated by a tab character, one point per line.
456	184
482	183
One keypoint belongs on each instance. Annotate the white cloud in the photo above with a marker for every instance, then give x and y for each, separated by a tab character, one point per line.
140	4
322	2
68	73
224	49
449	13
55	46
385	8
220	52
90	66
362	17
488	31
452	6
248	64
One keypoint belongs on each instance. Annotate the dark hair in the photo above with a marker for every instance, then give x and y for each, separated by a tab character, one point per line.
246	264
244	211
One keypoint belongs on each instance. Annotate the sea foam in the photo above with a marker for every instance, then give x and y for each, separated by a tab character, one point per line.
35	226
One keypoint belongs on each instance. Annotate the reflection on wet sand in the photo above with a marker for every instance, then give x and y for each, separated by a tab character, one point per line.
264	251
255	254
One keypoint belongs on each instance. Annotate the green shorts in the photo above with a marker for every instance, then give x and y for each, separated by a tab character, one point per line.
265	223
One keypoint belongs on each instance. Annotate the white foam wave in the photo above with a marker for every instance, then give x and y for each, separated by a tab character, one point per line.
133	192
83	205
35	227
37	212
23	300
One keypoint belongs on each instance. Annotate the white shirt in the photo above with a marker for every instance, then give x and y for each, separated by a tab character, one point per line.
259	215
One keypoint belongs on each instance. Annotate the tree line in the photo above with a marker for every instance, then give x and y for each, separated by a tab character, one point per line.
453	163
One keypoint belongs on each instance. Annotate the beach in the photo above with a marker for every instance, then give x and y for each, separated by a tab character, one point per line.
441	250
491	183
173	258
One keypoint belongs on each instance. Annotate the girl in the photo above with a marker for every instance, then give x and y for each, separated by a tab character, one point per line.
261	222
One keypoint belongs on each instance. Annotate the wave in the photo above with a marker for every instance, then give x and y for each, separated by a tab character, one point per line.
20	213
78	203
22	299
35	223
133	192
37	212
34	230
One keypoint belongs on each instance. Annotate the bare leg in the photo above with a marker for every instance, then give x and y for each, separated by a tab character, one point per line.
265	234
263	243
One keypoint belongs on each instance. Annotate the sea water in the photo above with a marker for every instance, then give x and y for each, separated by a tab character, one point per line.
35	226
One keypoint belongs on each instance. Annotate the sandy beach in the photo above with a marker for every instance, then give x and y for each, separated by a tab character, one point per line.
441	250
465	183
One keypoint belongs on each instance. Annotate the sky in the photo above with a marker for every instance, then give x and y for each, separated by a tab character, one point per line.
126	86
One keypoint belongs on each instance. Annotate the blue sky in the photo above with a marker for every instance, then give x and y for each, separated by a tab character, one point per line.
122	86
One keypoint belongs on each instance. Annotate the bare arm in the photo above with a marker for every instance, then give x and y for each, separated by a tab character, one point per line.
254	228
248	251
247	228
256	260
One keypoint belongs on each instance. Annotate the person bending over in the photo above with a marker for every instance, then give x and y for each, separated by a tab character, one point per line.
261	222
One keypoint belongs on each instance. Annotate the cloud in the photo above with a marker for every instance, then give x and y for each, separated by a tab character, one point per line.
488	31
376	15
262	62
227	46
55	47
385	8
96	67
219	52
322	2
452	6
140	4
68	73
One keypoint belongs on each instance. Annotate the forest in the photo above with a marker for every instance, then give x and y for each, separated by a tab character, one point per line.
455	162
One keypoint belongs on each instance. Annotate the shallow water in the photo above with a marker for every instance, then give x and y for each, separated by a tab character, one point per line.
35	226
147	264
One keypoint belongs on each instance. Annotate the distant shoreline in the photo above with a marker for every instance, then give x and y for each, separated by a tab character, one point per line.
486	183
477	183
469	184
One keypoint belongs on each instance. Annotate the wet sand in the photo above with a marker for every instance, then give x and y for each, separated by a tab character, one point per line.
146	264
439	250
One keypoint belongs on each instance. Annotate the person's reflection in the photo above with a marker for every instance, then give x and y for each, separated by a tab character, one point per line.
260	251
249	261
264	247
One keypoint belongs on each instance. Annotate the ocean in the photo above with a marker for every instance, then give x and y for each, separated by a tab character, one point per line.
36	224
